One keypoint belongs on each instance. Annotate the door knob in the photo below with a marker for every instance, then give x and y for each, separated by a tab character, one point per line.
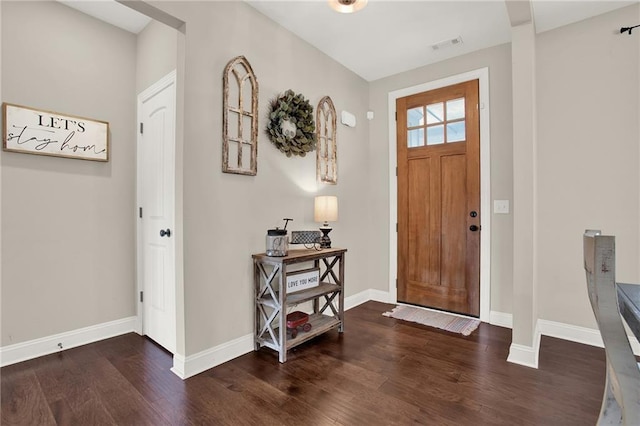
473	228
165	233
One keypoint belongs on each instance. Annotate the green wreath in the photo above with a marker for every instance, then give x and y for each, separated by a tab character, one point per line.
291	127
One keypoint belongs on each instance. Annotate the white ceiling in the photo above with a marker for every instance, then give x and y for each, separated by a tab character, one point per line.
112	12
390	36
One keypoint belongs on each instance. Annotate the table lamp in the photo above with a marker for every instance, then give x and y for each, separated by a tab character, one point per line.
325	210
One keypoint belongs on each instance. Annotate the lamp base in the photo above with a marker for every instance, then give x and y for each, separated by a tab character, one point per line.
325	241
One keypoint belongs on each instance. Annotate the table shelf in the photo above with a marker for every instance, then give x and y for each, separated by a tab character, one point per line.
303	295
319	324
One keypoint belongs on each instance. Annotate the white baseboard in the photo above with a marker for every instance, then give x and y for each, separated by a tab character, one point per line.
501	319
47	345
587	336
572	333
356	299
523	355
379	296
526	355
365	296
212	357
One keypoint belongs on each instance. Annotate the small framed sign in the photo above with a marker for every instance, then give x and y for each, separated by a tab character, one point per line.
34	131
302	280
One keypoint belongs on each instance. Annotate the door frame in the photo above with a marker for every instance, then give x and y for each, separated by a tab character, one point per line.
482	75
154	89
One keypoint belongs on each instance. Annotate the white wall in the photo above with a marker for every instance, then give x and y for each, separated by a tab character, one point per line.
68	233
588	156
156	54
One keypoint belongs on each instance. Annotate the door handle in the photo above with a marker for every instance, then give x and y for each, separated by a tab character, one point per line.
474	228
166	233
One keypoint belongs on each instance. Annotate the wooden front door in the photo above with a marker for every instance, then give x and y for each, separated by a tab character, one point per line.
439	199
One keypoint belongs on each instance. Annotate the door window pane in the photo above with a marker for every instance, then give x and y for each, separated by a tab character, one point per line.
415	117
415	138
435	113
455	109
435	135
437	123
456	131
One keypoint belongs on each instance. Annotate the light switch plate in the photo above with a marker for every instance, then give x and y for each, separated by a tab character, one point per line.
501	206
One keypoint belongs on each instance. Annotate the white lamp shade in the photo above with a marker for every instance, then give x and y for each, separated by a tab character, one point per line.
326	208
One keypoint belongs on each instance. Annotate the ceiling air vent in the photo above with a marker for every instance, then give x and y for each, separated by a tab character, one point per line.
447	43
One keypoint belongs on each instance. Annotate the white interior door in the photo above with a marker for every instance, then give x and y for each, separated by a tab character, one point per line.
156	197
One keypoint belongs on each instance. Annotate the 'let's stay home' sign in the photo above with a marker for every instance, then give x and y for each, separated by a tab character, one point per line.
35	131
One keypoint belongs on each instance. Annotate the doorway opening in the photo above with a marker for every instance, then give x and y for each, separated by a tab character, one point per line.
482	76
160	97
439	199
156	211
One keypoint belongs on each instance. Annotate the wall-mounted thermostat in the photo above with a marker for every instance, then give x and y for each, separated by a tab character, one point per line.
348	119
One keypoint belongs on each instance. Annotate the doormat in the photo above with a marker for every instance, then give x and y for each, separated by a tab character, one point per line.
441	320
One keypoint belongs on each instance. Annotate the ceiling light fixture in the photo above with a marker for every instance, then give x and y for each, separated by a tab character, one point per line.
347	6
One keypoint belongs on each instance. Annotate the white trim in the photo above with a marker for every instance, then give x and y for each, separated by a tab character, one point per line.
357	299
365	296
482	75
574	333
212	357
526	355
501	319
379	296
559	330
587	336
157	87
47	345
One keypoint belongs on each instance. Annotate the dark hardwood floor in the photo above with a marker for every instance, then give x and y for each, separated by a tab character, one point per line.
382	371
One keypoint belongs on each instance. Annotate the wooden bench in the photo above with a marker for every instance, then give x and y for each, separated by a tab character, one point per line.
621	400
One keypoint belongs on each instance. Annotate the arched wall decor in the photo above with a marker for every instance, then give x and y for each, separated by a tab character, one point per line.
327	152
240	118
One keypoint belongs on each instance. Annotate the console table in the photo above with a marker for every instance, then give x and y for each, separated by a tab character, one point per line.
629	305
271	298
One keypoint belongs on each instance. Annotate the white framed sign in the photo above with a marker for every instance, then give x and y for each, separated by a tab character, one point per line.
34	131
303	280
